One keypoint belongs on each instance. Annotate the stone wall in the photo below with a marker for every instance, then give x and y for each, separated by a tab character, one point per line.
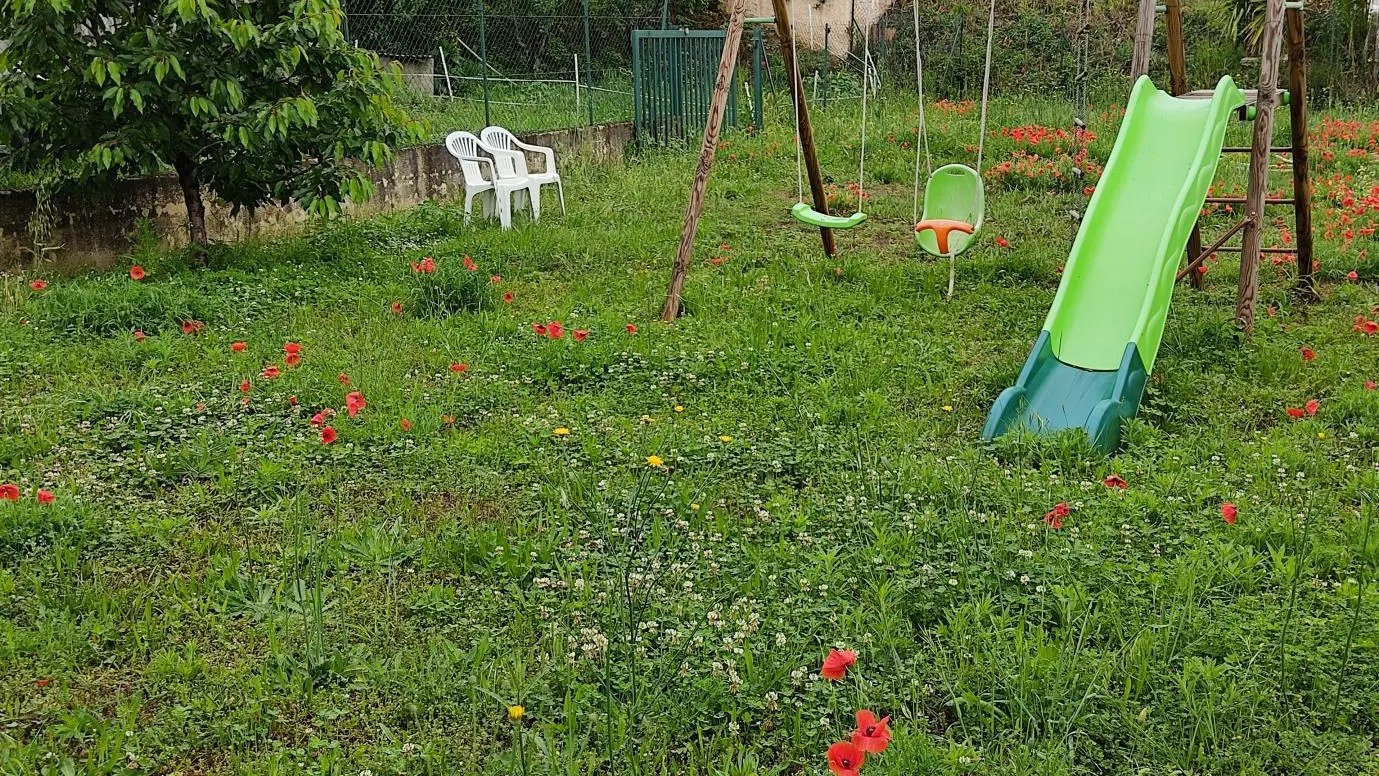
94	231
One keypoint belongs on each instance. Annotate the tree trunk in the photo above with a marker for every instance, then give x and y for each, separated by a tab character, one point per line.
190	181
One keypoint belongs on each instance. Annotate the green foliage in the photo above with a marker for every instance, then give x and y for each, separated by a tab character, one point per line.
447	286
261	102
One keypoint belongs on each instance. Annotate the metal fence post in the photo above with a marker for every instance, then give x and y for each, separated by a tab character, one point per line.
483	56
827	30
588	66
758	51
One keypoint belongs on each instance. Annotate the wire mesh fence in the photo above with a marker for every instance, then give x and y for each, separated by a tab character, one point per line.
545	64
471	64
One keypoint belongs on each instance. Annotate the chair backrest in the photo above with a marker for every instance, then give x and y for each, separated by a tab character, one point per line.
514	165
464	146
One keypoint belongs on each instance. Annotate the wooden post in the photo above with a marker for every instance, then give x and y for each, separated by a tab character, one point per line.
717	107
1302	183
811	161
1267	94
1144	41
1177	84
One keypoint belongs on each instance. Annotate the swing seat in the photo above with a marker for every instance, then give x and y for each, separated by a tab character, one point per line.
953	194
808	215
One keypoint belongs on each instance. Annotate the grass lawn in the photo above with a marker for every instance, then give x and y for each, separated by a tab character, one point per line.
214	590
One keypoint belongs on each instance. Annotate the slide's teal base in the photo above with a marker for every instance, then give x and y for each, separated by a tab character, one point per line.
1051	396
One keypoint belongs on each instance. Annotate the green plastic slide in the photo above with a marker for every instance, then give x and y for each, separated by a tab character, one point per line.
1089	365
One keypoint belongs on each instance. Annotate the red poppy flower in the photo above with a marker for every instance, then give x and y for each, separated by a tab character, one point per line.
9	492
1053	520
1003	242
871	735
238	347
426	266
1229	512
447	419
1307	353
45	496
192	327
1115	481
139	336
459	367
845	759
396	307
1271	311
555	330
343	378
1061	509
291	347
507	298
42	682
244	387
836	664
631	328
38	285
406	424
1311	406
580	334
1370	327
1370	385
271	372
1294	412
725	247
495	279
469	264
716	261
327	435
292	359
292	400
354	402
539	328
318	419
1352	276
136	272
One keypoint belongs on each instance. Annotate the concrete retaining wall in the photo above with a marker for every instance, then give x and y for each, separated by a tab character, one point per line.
96	231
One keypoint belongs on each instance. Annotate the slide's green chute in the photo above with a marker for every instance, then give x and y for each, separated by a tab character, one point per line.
808	215
1090	363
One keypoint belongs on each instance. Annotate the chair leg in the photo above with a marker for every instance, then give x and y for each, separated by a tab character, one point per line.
560	188
534	201
468	205
505	209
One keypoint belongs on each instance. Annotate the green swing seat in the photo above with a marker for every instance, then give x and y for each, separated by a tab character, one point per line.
954	193
808	215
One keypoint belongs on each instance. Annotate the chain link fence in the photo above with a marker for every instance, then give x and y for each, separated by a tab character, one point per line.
545	64
522	65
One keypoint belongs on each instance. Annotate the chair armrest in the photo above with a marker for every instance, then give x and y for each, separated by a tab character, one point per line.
536	149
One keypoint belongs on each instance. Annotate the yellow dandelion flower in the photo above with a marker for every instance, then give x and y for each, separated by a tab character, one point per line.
1321	435
725	438
516	713
654	460
562	431
947	408
694	507
679	408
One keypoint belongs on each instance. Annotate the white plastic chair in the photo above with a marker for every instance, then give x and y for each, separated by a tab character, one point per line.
508	150
466	148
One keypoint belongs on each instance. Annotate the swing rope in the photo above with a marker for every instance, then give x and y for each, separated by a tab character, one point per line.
923	133
796	89
866	81
986	82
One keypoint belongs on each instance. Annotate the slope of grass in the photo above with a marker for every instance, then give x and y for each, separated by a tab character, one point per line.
213	589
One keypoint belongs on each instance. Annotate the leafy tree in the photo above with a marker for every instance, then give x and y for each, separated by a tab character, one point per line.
259	102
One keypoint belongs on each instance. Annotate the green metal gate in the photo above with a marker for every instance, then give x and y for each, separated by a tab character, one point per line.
672	82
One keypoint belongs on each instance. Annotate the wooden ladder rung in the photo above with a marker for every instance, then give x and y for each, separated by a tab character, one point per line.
1236	249
1241	200
1247	149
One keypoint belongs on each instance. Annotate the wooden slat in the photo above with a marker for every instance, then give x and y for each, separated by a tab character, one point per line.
1302	184
712	125
1270	49
1243	200
1144	41
1201	256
